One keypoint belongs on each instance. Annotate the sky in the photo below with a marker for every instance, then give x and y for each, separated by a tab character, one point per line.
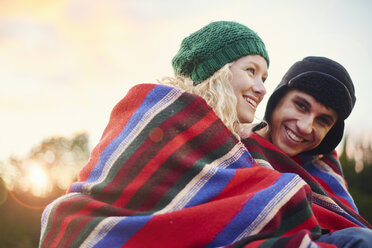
64	64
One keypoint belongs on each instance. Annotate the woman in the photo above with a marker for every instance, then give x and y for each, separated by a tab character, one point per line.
227	71
170	170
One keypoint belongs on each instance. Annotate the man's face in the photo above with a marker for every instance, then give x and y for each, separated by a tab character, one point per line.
299	123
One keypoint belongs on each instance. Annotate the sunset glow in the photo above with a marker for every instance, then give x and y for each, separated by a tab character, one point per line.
39	180
64	64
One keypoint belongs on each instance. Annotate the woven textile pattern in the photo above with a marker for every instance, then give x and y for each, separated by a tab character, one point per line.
168	173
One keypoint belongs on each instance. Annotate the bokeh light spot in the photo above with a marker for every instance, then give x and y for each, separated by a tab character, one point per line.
156	134
38	179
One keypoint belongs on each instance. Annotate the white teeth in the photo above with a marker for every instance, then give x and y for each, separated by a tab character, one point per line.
293	136
252	102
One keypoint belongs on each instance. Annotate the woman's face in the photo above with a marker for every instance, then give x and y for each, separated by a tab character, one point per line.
299	123
249	75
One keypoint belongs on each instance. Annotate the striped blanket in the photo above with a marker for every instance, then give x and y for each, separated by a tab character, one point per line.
168	173
331	201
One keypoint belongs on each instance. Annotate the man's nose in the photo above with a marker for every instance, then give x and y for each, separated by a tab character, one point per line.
305	124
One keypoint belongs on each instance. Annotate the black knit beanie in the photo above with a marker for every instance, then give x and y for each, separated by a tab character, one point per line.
329	83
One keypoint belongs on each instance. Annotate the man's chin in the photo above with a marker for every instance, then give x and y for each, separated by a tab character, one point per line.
289	150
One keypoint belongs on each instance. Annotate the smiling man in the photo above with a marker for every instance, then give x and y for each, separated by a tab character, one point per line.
299	123
306	112
304	122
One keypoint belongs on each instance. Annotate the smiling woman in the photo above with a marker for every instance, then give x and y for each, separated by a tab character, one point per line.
248	75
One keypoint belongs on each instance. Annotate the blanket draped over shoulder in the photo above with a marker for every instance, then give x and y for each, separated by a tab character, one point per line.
331	201
168	173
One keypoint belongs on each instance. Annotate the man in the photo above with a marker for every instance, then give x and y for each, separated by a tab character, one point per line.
305	122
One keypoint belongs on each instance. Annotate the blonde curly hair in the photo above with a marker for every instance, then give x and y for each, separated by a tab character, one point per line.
216	91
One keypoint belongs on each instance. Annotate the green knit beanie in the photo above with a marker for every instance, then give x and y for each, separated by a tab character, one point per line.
207	50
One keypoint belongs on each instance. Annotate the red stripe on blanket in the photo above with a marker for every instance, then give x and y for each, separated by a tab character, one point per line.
162	156
335	166
308	224
130	168
265	143
330	220
258	177
301	215
330	192
120	116
192	227
65	220
82	216
179	171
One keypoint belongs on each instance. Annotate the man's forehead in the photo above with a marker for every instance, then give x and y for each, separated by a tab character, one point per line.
311	101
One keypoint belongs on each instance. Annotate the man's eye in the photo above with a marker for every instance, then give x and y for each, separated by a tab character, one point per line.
251	70
324	121
301	106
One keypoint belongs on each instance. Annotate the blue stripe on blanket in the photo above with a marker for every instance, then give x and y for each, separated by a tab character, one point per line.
121	232
332	182
335	208
213	187
154	96
223	175
255	210
245	161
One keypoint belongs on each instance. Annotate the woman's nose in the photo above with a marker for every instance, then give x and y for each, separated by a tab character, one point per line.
259	87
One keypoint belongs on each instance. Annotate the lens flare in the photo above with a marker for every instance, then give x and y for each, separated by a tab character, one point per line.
23	204
39	179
